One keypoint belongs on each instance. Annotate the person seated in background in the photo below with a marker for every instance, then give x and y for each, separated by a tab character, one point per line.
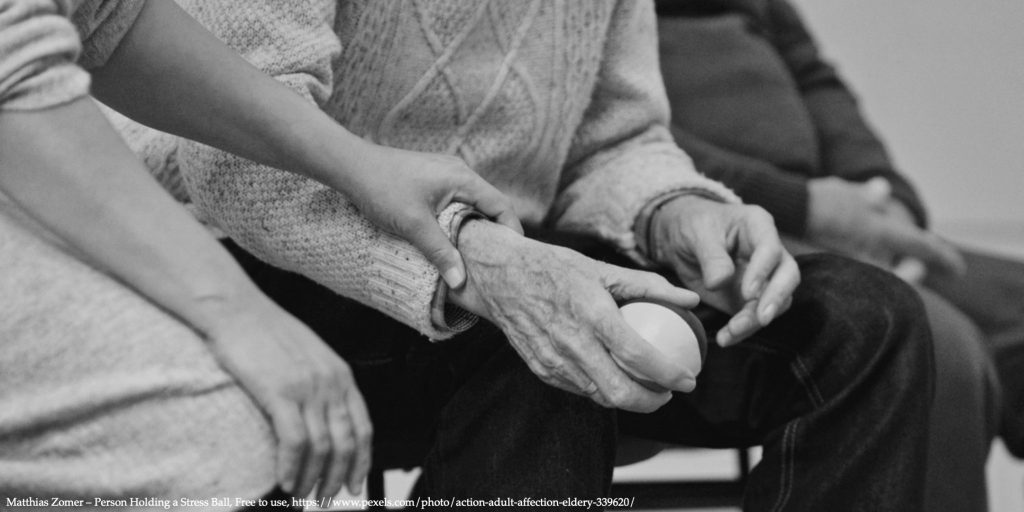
136	357
756	106
561	107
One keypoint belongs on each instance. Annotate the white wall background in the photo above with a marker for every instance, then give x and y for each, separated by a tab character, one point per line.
943	82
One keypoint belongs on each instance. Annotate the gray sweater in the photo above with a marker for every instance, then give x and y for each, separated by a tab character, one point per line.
102	394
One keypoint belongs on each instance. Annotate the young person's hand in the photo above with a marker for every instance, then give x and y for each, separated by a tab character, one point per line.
400	191
318	415
403	191
67	169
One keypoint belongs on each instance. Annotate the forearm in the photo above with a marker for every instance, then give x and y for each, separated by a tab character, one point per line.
173	75
69	170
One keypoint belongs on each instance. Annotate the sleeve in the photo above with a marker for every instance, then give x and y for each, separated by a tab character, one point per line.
849	147
782	193
291	221
102	24
38	50
622	157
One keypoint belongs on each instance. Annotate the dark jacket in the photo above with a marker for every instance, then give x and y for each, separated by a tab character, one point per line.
757	108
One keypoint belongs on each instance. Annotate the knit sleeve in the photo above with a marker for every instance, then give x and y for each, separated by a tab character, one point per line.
38	49
102	24
290	221
623	156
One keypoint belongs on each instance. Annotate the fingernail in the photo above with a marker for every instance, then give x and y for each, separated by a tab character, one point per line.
454	277
768	313
724	338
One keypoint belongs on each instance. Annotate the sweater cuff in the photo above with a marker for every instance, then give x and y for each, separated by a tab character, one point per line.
102	26
447	317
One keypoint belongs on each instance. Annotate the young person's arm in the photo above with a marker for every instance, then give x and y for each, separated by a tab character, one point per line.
173	75
67	168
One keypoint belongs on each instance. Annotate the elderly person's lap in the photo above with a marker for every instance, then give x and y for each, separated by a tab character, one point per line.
841	381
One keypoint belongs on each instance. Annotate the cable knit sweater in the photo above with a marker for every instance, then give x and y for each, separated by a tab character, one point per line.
102	394
558	104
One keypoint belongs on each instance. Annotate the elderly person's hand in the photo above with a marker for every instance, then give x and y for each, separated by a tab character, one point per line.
558	309
863	221
732	254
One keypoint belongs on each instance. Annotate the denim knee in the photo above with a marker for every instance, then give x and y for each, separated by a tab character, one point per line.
878	321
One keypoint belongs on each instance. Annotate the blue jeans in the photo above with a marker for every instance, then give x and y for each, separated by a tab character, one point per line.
991	294
837	390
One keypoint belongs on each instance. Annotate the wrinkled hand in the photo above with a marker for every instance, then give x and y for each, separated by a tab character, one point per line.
402	192
863	221
322	425
558	309
731	249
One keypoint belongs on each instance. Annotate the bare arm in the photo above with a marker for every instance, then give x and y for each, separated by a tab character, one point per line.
173	75
69	170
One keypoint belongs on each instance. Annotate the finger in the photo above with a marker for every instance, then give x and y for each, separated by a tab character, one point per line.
342	444
362	430
318	448
740	326
430	240
626	284
716	265
619	391
781	286
292	439
911	241
618	388
910	270
491	202
768	252
633	353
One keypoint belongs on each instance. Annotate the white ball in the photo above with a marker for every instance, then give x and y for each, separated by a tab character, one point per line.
666	331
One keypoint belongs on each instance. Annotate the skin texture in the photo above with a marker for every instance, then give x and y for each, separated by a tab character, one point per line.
862	221
559	308
732	255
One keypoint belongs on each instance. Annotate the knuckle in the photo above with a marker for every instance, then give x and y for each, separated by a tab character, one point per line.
619	397
760	215
364	436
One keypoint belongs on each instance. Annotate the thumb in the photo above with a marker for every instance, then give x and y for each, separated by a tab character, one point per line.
439	250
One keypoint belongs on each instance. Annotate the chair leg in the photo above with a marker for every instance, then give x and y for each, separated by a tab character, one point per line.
744	462
375	487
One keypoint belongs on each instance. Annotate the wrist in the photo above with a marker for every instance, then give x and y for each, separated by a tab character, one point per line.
668	212
212	311
485	246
